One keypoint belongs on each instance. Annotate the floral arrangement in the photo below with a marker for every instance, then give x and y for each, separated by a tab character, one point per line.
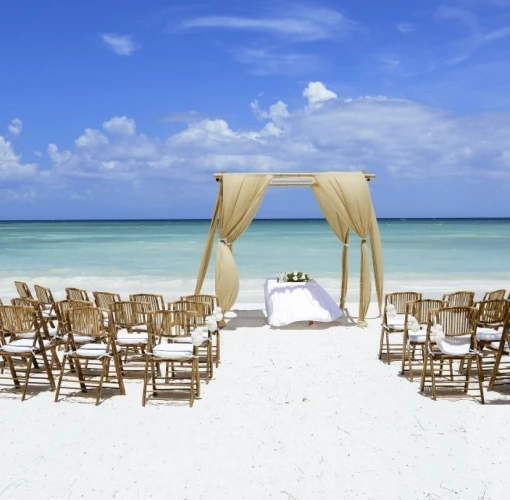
297	276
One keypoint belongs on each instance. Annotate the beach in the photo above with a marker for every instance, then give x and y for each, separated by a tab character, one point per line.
296	413
293	413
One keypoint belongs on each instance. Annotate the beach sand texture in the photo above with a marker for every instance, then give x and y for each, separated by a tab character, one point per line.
298	413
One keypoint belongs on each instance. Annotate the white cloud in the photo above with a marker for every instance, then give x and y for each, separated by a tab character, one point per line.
11	166
90	139
317	94
120	125
405	28
123	45
15	127
301	24
388	136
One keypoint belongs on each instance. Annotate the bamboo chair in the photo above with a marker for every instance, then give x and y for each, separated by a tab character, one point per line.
46	331
130	325
458	343
104	299
61	308
495	295
501	348
155	302
460	299
23	290
26	342
45	298
89	322
396	324
77	294
212	302
161	325
420	310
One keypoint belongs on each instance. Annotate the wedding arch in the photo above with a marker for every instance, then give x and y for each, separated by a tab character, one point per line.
345	201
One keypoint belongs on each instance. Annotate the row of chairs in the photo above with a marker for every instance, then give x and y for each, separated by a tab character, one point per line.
177	333
453	329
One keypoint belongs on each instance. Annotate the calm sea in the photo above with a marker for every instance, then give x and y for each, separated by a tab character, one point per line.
136	255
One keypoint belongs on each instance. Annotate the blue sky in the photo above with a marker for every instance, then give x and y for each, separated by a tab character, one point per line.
124	109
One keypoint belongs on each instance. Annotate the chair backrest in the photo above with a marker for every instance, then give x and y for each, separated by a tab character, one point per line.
420	309
155	302
492	313
208	299
23	290
104	299
44	295
461	298
495	295
456	320
400	300
168	324
17	319
61	308
87	321
77	294
128	313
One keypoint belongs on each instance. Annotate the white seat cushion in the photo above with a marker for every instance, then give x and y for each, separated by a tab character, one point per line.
495	345
186	339
140	328
23	346
455	346
173	351
92	351
80	339
488	335
126	338
26	335
397	322
418	337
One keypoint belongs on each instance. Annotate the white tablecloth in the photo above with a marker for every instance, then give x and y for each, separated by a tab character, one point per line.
287	303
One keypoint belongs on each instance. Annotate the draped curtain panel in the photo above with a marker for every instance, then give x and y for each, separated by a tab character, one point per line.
348	192
341	229
202	271
241	195
377	260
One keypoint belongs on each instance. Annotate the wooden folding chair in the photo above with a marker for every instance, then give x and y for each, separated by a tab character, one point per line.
23	290
45	298
419	310
89	322
61	308
395	324
129	325
22	325
182	357
501	348
495	295
462	298
77	294
104	299
451	336
155	302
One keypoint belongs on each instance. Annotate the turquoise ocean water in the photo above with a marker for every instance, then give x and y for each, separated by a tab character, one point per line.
136	255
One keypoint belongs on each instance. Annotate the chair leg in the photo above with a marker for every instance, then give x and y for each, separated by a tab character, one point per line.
61	376
48	369
423	373
410	361
153	375
468	376
27	377
145	379
218	348
105	366
12	369
388	359
404	354
495	370
117	363
433	376
192	383
480	378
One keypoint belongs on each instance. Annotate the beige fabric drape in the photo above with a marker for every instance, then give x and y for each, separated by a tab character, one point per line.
241	195
206	258
348	192
340	228
377	260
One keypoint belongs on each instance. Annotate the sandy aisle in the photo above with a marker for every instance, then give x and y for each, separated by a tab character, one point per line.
299	414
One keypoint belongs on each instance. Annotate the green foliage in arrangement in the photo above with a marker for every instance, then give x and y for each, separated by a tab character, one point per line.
297	276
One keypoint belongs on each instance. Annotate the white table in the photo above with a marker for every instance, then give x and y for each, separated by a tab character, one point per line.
289	302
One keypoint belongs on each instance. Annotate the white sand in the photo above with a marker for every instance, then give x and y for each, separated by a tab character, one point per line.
301	413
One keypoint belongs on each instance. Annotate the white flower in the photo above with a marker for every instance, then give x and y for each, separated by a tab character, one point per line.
295	278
